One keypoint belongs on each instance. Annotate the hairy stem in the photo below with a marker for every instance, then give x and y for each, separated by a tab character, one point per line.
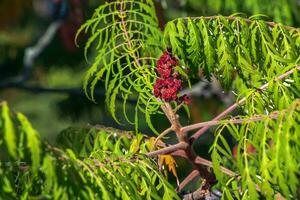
173	118
123	23
168	150
202	161
188	150
188	179
255	118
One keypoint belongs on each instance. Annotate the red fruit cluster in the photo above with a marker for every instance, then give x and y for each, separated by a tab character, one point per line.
167	88
165	64
168	85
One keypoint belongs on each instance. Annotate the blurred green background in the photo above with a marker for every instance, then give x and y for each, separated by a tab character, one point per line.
52	97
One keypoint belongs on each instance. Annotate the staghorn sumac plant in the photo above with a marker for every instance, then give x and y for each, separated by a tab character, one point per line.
137	60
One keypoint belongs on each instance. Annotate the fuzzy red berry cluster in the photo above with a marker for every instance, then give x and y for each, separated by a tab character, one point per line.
168	85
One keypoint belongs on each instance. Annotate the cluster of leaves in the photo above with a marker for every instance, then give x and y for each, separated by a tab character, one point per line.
127	42
90	163
224	47
273	164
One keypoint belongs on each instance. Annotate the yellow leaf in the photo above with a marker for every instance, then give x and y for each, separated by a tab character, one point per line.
168	160
151	144
135	145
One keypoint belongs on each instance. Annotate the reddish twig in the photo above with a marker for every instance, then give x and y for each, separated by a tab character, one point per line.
173	118
188	150
128	40
202	161
168	150
160	14
255	118
188	179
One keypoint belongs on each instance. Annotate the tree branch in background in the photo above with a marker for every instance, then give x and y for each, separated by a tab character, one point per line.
159	14
31	53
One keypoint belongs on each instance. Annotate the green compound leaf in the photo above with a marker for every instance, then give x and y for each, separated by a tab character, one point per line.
122	35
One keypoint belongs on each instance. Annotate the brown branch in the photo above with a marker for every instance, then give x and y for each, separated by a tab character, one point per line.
188	179
198	194
235	105
255	118
173	119
168	150
201	161
208	176
160	14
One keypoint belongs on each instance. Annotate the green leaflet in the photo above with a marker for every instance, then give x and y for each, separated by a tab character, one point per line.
194	45
209	50
9	131
148	119
48	168
225	54
33	141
